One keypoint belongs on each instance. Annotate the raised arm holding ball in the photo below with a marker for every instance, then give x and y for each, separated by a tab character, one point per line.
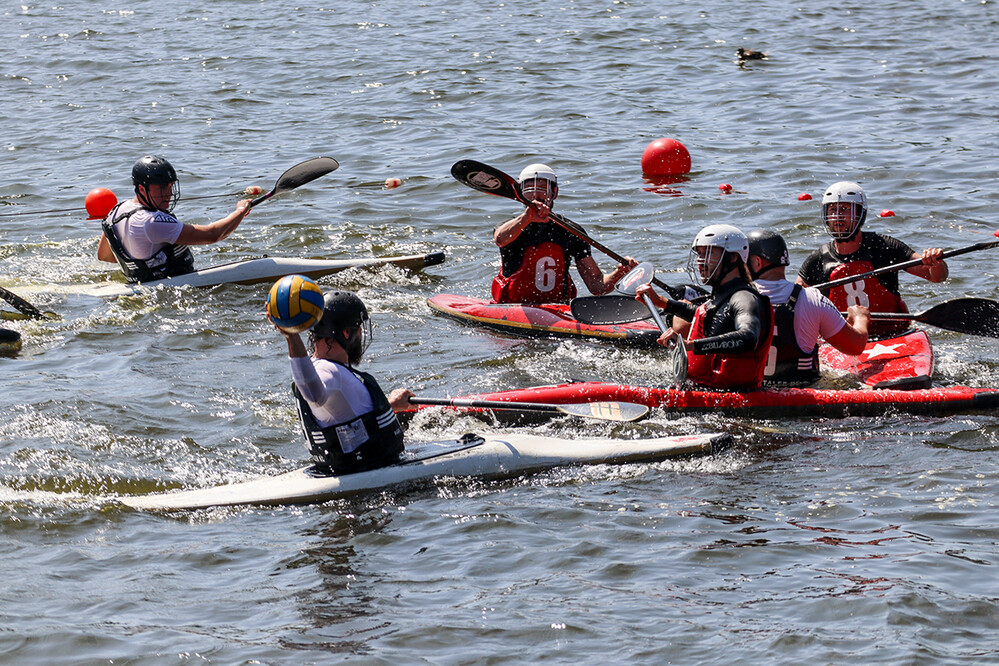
348	420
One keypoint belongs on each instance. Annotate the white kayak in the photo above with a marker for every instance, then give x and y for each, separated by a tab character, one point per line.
491	456
248	271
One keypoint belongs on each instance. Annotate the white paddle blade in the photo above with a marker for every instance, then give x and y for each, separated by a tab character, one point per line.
641	274
606	411
677	370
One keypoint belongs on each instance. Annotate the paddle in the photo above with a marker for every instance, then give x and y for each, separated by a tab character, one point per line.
23	306
974	316
628	286
491	180
677	371
299	175
984	245
619	307
605	411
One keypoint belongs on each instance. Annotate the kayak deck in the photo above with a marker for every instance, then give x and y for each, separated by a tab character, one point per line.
249	271
766	403
544	319
490	456
902	362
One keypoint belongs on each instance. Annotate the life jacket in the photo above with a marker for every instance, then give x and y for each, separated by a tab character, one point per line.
869	292
177	259
365	442
543	277
742	371
787	363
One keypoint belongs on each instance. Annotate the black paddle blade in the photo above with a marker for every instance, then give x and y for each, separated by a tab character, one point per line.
611	309
306	172
22	305
973	316
485	178
300	174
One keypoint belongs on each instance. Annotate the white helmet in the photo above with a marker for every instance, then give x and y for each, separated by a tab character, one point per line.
848	192
725	236
533	171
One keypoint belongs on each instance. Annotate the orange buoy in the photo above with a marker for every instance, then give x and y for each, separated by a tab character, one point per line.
392	183
887	213
253	189
804	196
665	157
99	202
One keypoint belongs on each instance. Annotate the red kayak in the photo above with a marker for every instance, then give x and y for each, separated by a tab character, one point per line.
903	362
766	403
546	319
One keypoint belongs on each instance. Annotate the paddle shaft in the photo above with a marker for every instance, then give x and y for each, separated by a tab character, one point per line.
486	404
984	245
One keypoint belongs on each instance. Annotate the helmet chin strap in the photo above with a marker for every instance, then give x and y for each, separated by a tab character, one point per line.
726	264
142	194
352	345
763	269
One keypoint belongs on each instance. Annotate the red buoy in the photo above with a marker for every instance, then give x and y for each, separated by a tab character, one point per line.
99	203
665	157
887	213
725	187
804	196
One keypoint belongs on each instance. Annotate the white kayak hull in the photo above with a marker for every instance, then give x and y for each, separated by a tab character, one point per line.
250	271
493	456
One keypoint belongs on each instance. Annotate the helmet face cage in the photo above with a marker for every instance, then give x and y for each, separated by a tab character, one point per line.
345	320
155	170
844	209
708	264
705	262
538	182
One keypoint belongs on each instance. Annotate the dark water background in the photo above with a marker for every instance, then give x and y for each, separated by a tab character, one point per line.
830	540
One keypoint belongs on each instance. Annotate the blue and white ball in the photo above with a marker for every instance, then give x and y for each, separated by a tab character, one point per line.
295	303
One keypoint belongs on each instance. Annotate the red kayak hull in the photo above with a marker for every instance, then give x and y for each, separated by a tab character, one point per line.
767	403
902	362
546	319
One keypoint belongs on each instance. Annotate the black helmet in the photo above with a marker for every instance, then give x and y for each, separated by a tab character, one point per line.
344	310
152	169
770	246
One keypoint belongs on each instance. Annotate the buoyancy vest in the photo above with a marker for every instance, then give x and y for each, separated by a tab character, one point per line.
869	292
787	363
740	371
543	277
369	441
177	259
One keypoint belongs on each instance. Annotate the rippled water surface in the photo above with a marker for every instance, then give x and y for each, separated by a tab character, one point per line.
829	540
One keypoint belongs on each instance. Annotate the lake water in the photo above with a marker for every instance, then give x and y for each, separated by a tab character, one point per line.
828	540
